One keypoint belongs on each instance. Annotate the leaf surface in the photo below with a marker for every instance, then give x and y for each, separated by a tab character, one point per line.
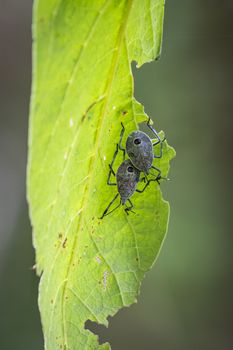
82	91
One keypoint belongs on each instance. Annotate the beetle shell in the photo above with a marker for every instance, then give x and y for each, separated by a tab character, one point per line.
140	150
127	177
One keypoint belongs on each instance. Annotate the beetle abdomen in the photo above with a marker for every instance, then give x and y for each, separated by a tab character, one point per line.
127	177
140	150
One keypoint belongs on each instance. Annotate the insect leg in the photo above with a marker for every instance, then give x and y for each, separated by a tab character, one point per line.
143	179
158	177
157	142
106	210
143	189
111	171
120	141
153	130
127	209
161	148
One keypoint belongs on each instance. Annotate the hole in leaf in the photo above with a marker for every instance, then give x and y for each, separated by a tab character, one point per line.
99	330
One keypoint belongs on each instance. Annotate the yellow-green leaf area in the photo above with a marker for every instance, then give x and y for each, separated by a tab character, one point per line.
82	91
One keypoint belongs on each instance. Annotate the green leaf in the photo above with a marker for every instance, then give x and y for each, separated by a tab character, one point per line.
82	91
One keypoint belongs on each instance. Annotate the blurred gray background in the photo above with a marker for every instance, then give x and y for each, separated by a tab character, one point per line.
186	299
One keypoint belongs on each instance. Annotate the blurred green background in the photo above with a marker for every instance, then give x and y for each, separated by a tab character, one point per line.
186	299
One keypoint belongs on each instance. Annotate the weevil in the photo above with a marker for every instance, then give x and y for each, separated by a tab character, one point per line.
127	178
139	148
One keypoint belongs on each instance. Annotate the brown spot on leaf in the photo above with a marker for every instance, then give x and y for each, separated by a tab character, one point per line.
64	243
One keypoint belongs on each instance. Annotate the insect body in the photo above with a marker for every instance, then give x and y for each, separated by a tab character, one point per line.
139	148
127	178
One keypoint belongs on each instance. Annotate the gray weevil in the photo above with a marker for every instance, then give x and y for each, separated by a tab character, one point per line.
139	148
